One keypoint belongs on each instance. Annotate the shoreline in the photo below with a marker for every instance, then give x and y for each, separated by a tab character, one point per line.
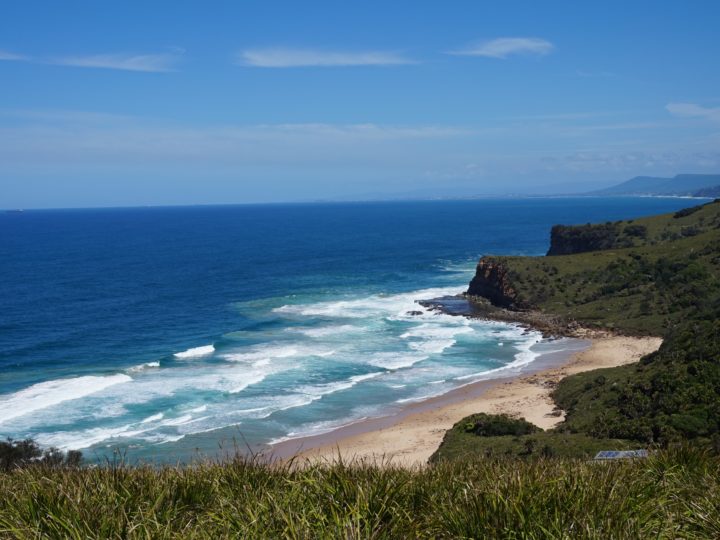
409	437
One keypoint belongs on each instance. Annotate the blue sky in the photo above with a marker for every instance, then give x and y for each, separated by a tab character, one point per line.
134	103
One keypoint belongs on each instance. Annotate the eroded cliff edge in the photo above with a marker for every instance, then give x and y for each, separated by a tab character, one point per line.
492	282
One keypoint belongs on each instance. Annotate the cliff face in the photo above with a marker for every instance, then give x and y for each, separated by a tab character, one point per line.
567	240
492	282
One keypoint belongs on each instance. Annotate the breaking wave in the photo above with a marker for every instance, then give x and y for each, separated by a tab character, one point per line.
195	352
49	393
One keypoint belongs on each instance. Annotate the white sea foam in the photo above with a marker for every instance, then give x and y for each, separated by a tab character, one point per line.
253	411
195	352
241	382
396	360
435	346
423	397
317	428
320	390
153	418
201	408
397	305
522	358
107	410
276	404
433	338
49	393
298	400
77	440
433	331
366	377
143	367
178	421
268	353
325	331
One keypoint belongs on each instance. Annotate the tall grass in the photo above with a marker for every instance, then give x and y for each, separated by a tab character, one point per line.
674	494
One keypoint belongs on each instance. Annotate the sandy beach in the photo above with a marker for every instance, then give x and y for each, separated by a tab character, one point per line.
410	439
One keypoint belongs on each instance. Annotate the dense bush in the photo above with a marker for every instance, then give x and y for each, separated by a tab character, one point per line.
636	230
687	211
671	395
14	454
490	425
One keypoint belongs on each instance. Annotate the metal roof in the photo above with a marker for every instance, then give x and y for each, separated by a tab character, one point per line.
621	454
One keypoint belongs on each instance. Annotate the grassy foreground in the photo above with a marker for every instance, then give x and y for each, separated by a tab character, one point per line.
673	494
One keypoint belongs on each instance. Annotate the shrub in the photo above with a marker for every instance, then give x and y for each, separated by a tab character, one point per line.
17	454
490	425
639	231
687	211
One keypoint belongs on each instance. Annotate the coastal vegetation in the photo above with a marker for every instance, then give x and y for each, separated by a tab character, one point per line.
672	494
653	276
26	453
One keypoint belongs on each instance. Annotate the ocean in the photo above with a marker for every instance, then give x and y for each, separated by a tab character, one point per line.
165	334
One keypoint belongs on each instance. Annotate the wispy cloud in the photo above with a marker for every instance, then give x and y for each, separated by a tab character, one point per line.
690	110
6	55
508	46
75	136
158	63
278	57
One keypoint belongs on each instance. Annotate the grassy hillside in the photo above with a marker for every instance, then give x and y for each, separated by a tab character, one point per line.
667	274
671	495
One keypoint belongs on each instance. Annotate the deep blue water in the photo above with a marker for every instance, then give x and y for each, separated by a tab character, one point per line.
151	328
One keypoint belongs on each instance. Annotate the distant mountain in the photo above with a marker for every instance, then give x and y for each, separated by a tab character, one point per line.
681	184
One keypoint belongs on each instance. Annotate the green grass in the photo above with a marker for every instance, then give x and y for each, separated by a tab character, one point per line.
674	494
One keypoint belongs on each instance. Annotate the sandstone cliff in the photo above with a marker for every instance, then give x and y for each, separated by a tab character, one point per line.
492	282
566	240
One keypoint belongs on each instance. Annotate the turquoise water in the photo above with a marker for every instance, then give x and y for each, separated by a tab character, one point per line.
160	331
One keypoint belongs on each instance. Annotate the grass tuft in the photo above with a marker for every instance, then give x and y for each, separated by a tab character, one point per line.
673	494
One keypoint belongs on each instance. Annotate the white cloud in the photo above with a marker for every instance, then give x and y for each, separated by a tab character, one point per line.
287	58
6	55
128	62
139	62
504	47
693	110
